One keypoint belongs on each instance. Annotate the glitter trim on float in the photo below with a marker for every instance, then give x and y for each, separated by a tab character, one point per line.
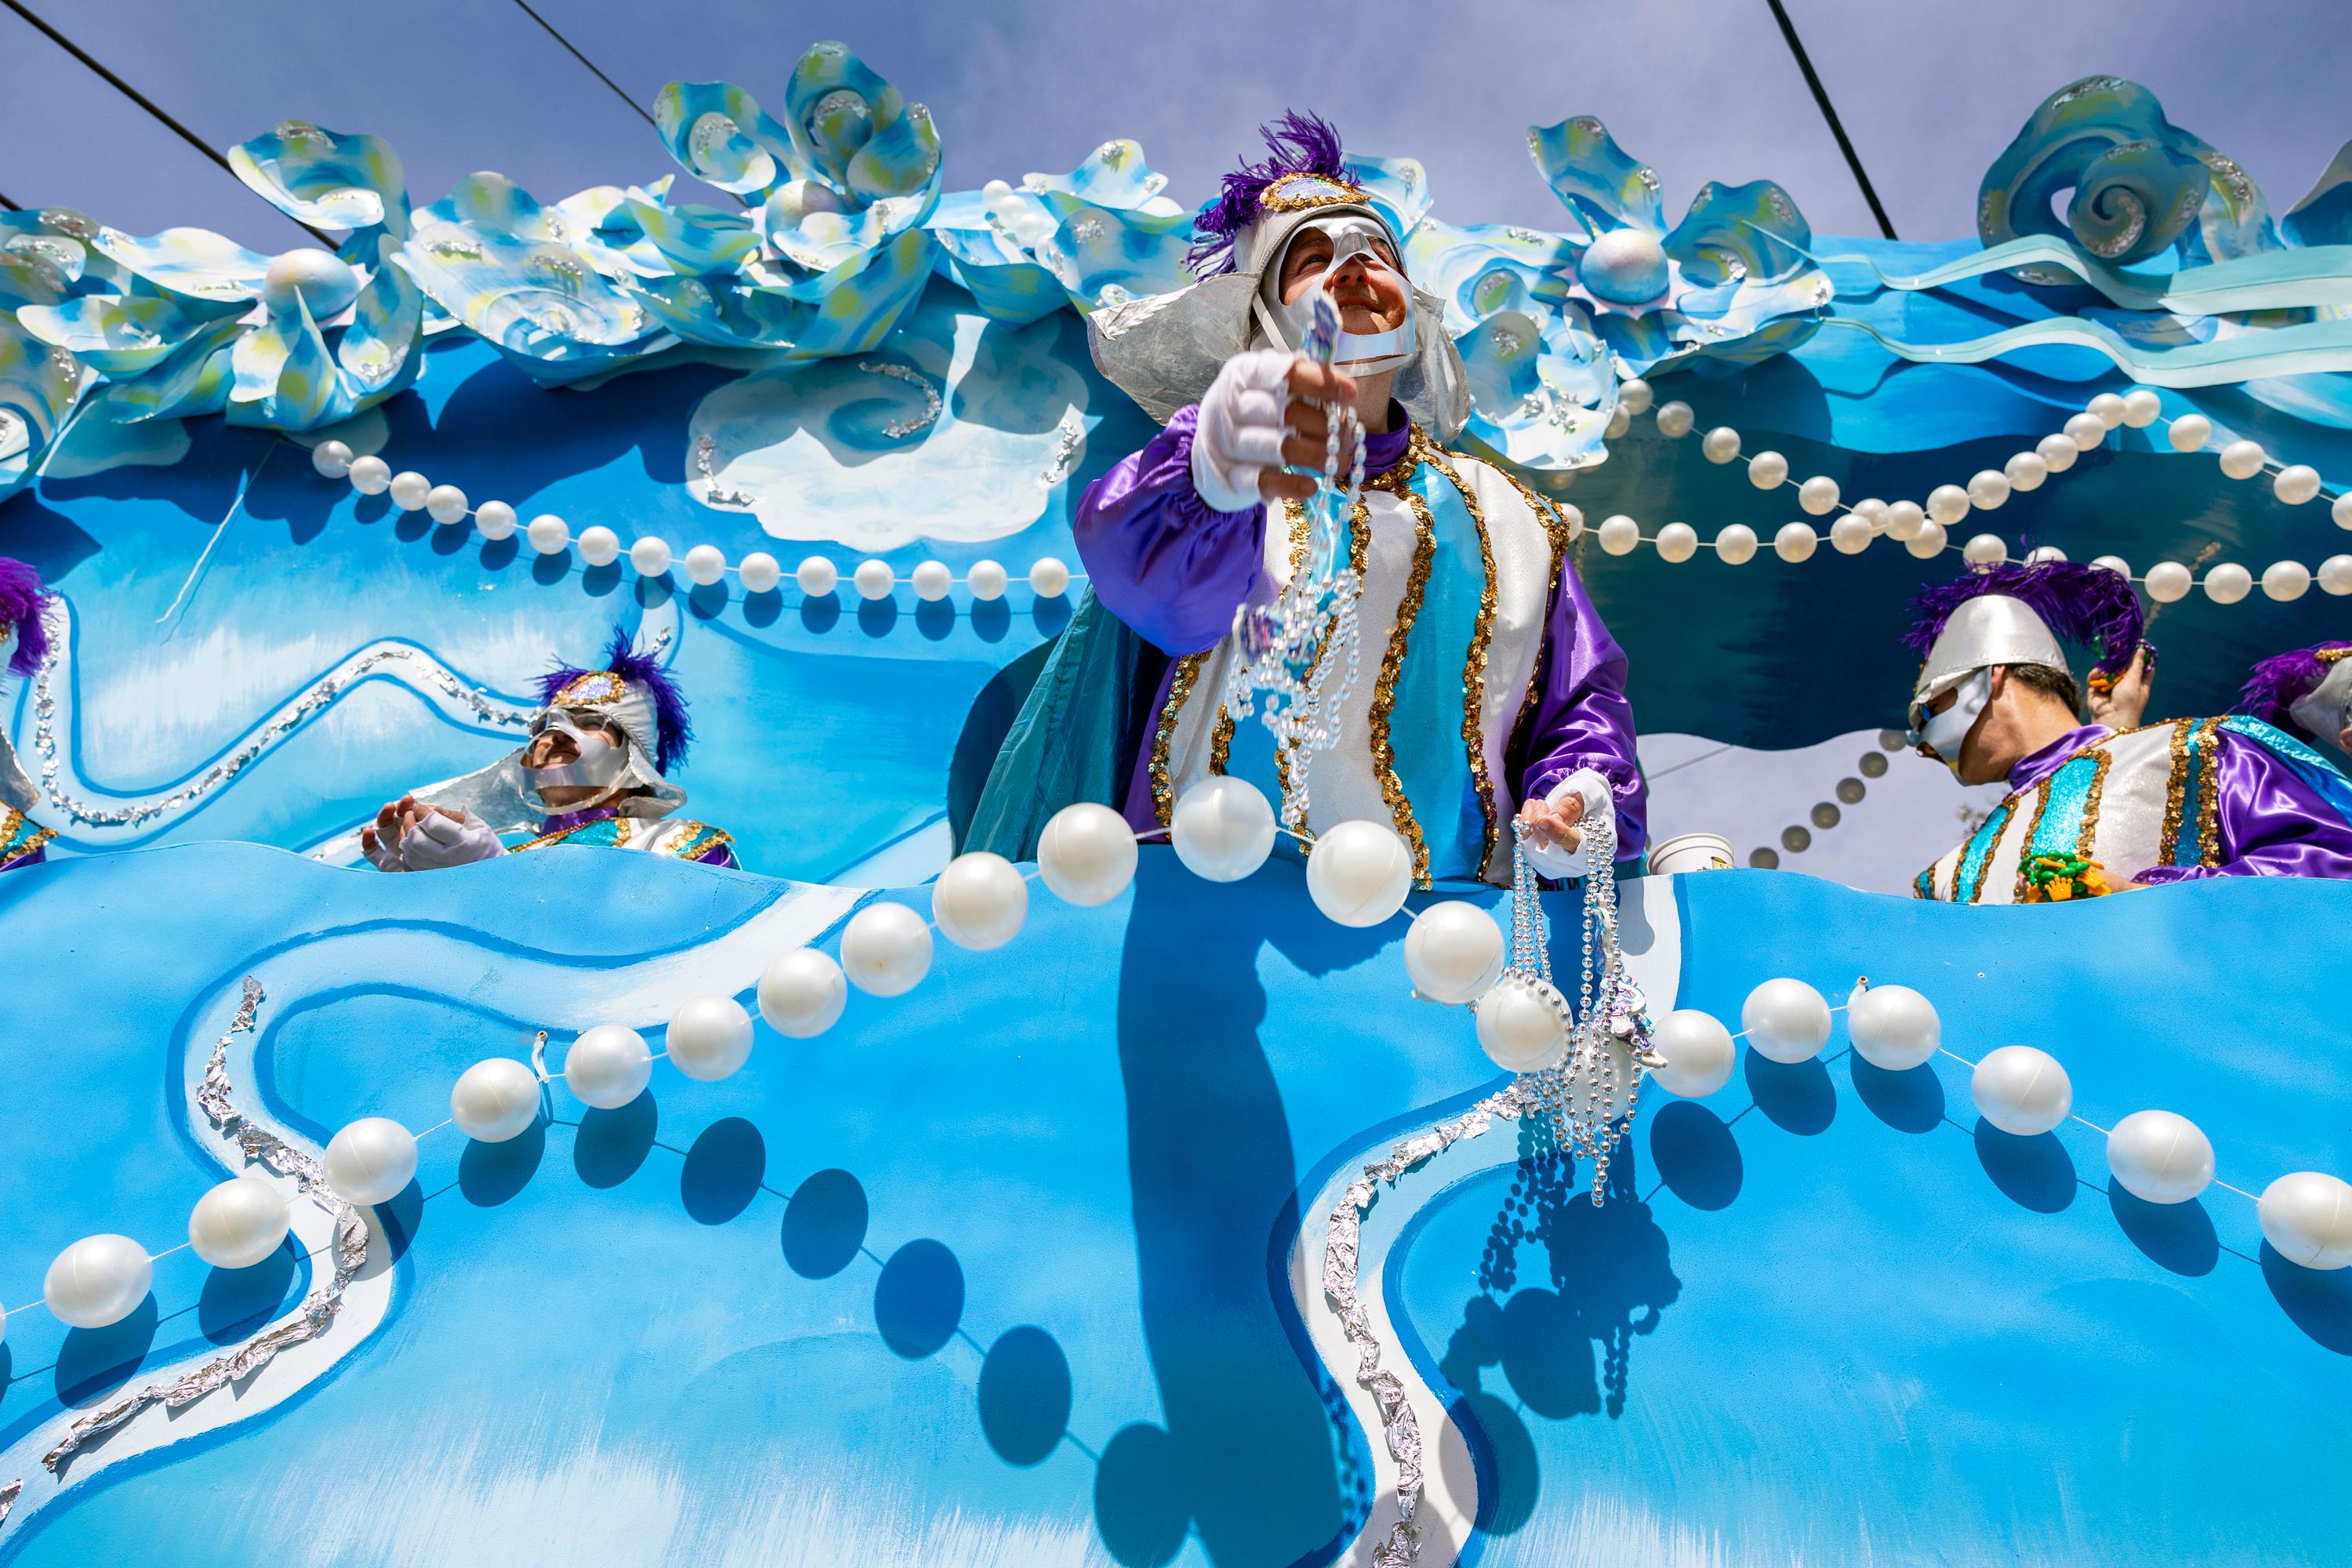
1383	748
318	1308
1474	667
1180	688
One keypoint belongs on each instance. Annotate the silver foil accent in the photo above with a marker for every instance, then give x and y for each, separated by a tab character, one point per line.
705	452
1071	439
317	1310
425	670
1341	1237
898	429
8	1498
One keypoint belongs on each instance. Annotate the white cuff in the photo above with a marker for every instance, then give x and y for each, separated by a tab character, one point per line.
1239	434
1563	864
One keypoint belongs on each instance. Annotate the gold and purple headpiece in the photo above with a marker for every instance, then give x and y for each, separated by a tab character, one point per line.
2307	692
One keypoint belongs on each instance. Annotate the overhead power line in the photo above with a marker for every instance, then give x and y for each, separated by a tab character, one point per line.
136	97
584	61
1830	113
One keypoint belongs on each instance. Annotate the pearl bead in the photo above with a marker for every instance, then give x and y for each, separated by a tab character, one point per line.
409	490
2306	1216
2160	1157
2340	510
2190	432
1049	578
1736	543
1903	521
1947	504
2335	574
986	579
371	476
1620	534
238	1223
650	556
1720	445
2141	407
495	519
1787	1020
1453	951
1518	1028
979	901
2041	555
1620	420
2286	580
2021	1090
1928	543
1892	1026
2241	460
1698	1050
886	949
932	580
1989	488
1676	420
1985	549
2025	471
2297	483
1851	534
1222	828
2168	582
1795	542
709	1037
1574	518
1767	470
2086	431
371	1161
2107	408
802	993
705	564
873	579
1359	872
816	576
98	1281
2057	453
1817	496
445	504
1635	396
608	1066
2228	582
599	546
1677	542
760	572
495	1100
332	458
2114	563
548	533
1086	854
1871	510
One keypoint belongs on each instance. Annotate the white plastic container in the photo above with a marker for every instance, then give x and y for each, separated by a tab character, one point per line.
1691	852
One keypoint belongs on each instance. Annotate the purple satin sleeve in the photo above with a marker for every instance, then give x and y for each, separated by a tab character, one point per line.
718	854
2271	823
1583	719
1161	558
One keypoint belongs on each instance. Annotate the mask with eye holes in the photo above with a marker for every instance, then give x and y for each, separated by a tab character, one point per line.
1359	238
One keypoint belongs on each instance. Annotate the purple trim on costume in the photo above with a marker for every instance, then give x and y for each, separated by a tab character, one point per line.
2271	823
1298	144
21	861
2035	766
2277	684
564	822
718	854
2087	605
21	596
1141	812
1583	719
673	731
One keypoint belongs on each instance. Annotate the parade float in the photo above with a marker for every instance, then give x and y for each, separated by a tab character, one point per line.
1136	1197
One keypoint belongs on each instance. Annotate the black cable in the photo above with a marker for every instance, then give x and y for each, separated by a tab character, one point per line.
4	202
136	97
584	61
1829	113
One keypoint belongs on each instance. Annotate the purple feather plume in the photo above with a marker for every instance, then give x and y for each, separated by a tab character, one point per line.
2087	605
673	730
21	597
1298	144
2276	685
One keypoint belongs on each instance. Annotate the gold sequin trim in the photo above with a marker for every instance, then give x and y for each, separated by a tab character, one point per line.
2090	829
1188	672
696	838
2330	655
1547	513
1278	197
11	824
2025	845
624	829
1474	667
2209	793
1416	585
2007	812
2168	843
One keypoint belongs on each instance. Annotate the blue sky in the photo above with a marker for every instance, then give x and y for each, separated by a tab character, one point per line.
1701	88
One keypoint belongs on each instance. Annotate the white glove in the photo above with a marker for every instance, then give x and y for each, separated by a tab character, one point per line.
1242	427
438	842
381	854
1562	864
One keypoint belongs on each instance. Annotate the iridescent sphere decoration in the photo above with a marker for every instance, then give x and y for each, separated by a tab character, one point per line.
98	1281
2306	1216
371	1161
2160	1157
1786	1020
802	993
1086	854
886	949
238	1223
323	281
494	1100
980	900
1522	1024
2021	1090
1222	828
1699	1053
709	1037
1359	872
608	1066
1453	951
1892	1026
1624	267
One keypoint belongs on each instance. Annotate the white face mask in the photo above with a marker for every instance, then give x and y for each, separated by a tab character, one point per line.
1945	733
1353	237
600	766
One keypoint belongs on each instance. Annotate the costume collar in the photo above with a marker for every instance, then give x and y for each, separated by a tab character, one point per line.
2039	766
